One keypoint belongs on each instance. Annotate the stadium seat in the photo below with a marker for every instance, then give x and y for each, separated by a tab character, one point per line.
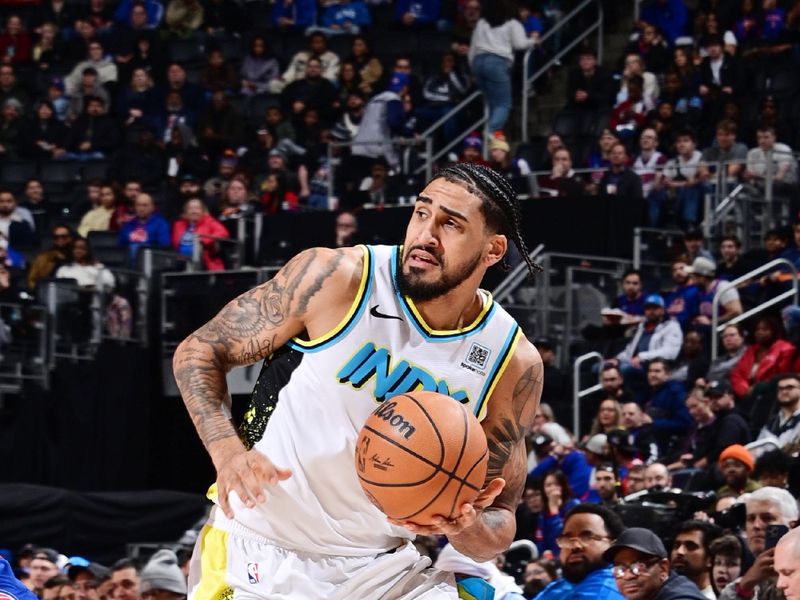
784	85
567	124
112	257
102	239
231	47
60	172
257	107
95	169
186	51
16	173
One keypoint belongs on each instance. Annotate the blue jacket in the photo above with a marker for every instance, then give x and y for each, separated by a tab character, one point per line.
10	586
154	232
667	409
550	527
670	17
425	11
339	14
302	12
597	585
683	304
155	11
574	466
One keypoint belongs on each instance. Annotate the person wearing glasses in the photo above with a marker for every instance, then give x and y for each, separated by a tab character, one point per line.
642	570
784	427
589	530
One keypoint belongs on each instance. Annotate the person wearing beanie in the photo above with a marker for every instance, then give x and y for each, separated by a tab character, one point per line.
736	464
162	578
515	170
472	150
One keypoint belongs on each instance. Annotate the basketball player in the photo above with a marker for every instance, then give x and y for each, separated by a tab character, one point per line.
340	331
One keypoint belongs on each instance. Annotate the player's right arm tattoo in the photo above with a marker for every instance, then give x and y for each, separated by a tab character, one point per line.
247	330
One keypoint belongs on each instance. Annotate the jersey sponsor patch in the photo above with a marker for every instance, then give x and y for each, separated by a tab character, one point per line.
477	358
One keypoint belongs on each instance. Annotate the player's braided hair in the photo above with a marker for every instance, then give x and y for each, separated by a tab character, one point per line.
499	203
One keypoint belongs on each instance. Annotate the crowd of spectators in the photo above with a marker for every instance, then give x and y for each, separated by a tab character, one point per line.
198	121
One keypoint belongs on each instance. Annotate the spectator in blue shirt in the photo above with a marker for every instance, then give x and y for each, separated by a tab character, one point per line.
554	453
631	301
683	302
146	229
670	16
294	14
774	21
663	401
589	530
344	18
154	9
417	14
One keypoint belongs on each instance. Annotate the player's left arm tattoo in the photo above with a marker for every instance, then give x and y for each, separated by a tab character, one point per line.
506	438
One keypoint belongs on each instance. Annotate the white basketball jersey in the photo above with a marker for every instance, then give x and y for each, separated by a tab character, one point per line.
312	398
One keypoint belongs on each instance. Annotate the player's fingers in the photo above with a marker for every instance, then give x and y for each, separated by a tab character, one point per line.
222	499
489	493
251	489
283	473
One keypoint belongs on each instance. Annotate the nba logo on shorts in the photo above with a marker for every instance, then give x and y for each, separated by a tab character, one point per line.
252	572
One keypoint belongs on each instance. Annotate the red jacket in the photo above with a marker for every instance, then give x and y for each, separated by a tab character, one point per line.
777	360
206	226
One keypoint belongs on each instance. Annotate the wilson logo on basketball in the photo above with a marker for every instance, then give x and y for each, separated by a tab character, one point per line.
399	422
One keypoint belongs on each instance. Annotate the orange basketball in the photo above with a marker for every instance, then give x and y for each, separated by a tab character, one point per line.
421	454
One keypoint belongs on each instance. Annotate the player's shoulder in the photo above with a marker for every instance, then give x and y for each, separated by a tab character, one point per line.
321	277
526	358
520	386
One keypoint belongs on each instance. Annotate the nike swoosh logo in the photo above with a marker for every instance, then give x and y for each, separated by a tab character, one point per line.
374	312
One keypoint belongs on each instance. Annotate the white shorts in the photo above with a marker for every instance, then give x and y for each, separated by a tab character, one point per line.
242	566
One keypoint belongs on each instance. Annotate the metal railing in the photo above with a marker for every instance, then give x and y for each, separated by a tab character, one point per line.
235	258
572	287
545	310
24	353
716	327
578	393
639	246
529	80
515	277
429	134
404	164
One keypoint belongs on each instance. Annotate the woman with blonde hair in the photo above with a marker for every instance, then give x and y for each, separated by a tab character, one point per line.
609	417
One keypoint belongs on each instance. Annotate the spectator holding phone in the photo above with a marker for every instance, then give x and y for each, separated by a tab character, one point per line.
765	507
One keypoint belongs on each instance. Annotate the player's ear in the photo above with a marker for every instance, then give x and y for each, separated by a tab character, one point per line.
496	248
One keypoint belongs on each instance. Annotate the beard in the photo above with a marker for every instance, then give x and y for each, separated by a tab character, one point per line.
413	286
577	571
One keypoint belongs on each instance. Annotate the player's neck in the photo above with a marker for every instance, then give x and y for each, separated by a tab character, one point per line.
455	310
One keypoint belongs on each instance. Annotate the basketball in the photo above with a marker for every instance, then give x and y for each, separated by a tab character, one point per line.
419	455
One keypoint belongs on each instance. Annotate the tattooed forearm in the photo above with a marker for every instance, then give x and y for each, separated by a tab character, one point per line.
247	330
203	386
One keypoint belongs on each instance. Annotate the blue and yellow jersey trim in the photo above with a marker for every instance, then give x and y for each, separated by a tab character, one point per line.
499	367
438	335
352	316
